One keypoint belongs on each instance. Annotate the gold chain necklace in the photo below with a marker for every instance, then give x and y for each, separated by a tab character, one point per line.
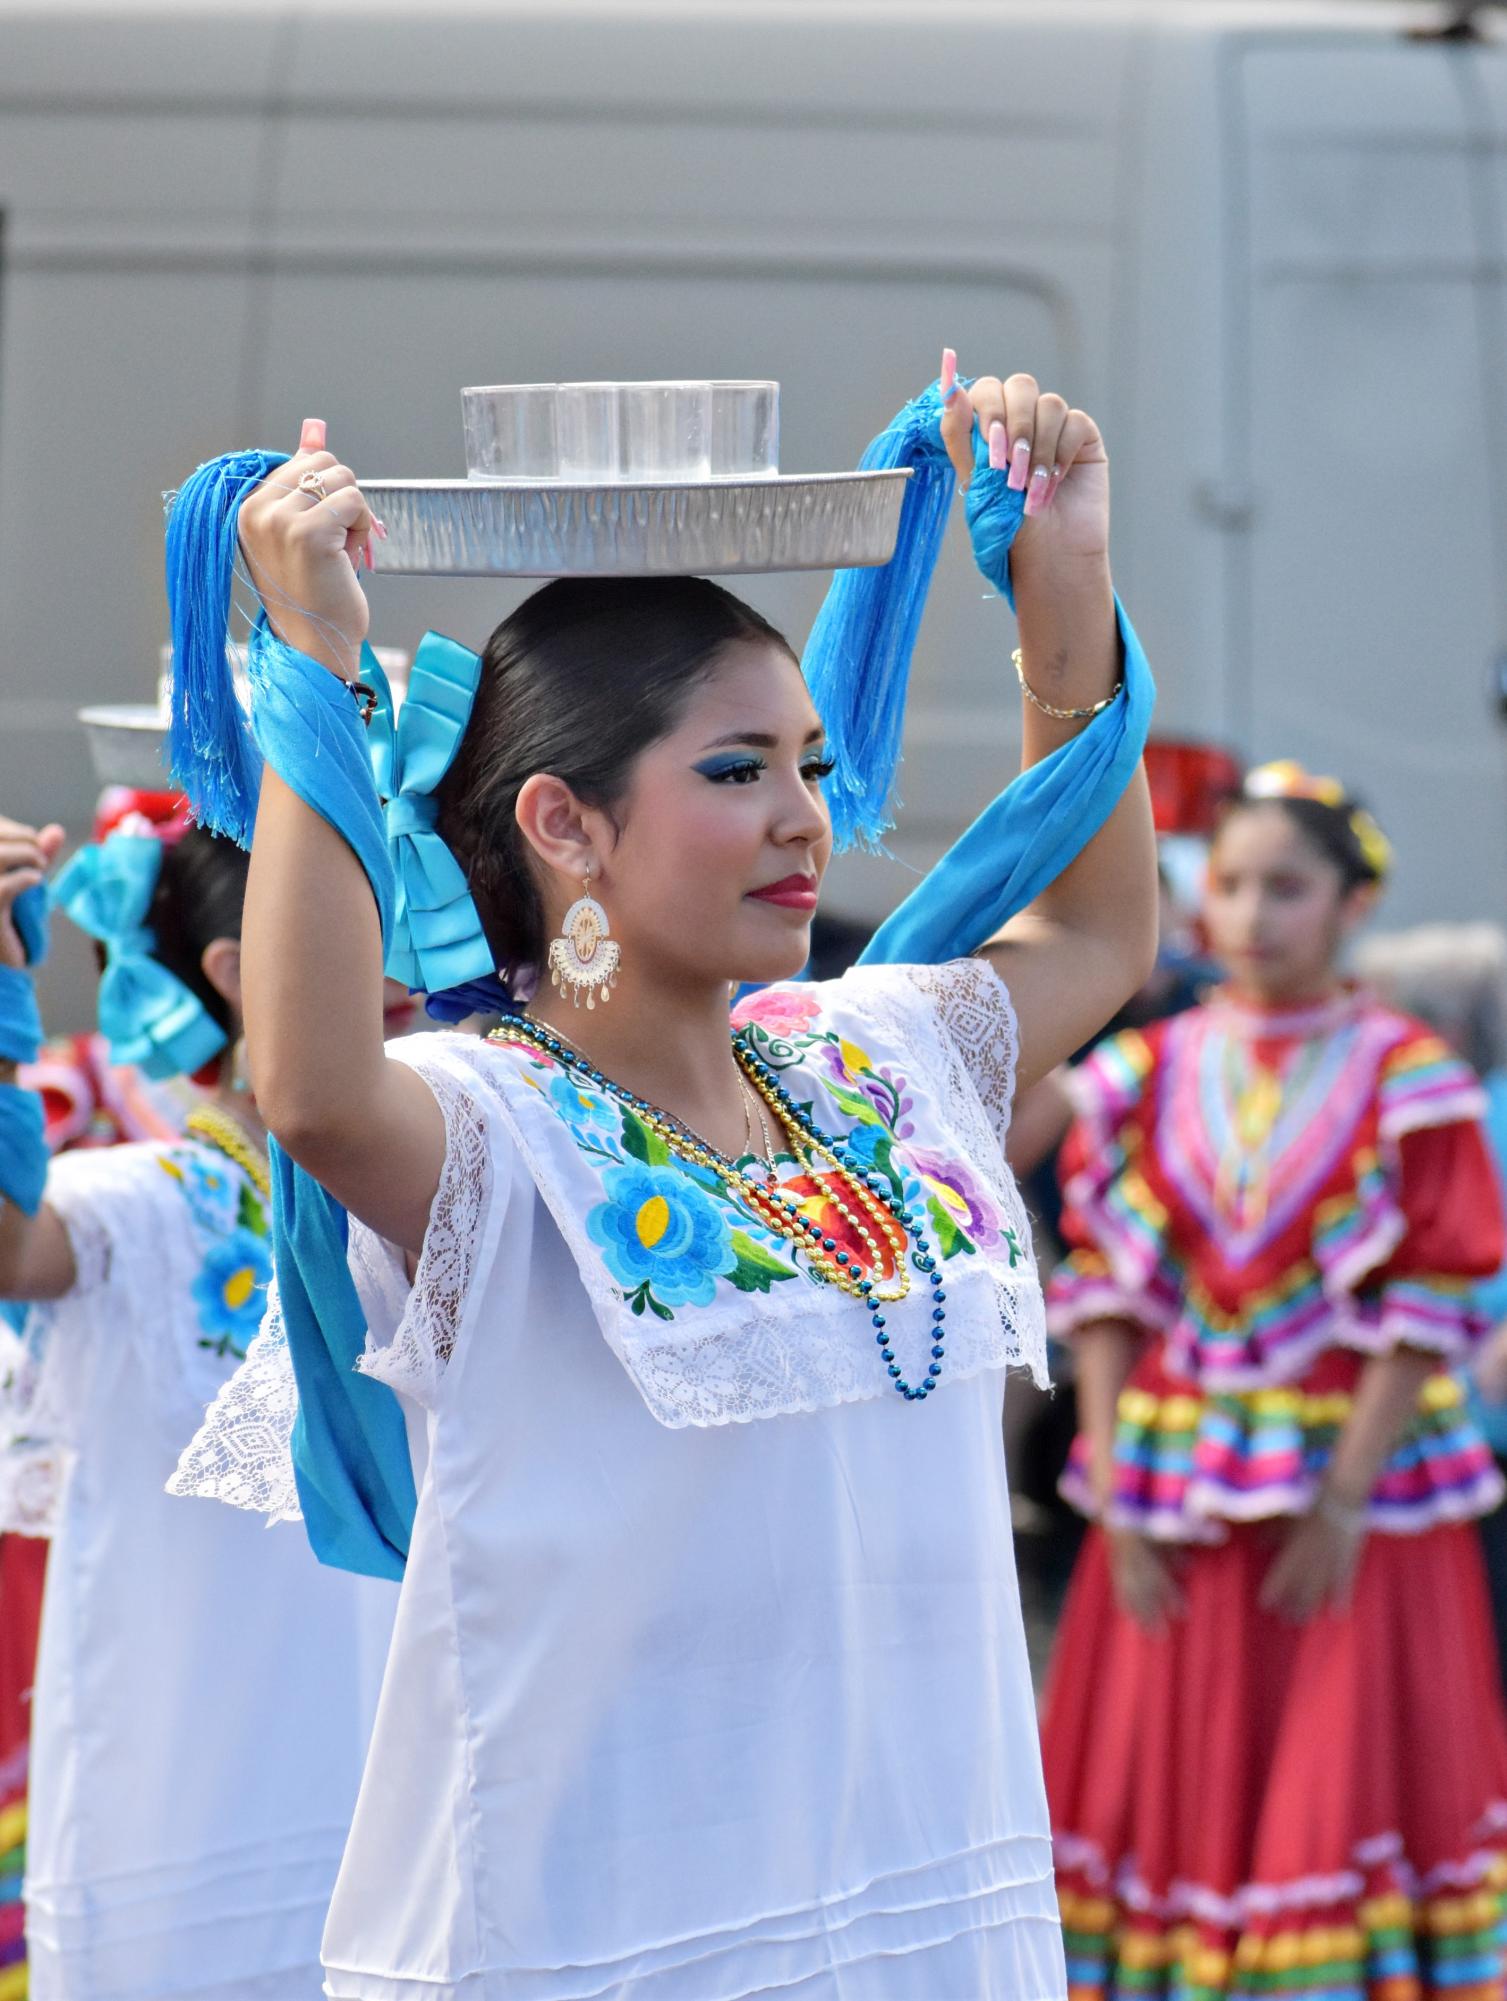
860	1207
217	1128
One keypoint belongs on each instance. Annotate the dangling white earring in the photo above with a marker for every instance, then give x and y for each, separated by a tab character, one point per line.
584	958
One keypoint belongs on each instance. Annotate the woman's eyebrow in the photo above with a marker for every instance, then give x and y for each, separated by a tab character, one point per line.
759	739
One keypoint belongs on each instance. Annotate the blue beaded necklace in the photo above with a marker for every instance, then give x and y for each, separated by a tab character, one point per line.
769	1206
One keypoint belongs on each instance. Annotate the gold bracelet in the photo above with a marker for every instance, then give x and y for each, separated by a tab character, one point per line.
1062	715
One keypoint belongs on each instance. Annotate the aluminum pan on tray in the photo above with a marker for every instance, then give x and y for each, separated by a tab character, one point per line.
494	528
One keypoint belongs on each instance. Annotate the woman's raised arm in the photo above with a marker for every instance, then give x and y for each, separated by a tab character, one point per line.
368	1129
1089	940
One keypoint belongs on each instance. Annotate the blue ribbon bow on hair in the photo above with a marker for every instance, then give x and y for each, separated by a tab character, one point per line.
149	1017
437	941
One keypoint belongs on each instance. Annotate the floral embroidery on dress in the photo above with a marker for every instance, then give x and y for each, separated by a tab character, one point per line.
669	1232
230	1288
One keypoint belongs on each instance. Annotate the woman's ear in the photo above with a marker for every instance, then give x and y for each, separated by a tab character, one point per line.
1358	905
553	822
220	964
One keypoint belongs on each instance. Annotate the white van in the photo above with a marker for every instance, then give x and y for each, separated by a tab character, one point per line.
1266	245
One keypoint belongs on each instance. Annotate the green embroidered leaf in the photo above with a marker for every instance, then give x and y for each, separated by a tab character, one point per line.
655	1307
642	1144
949	1238
883	1156
250	1214
854	1104
756	1269
1012	1243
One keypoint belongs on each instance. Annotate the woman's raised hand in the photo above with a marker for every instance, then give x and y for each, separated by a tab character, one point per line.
1052	453
304	532
26	854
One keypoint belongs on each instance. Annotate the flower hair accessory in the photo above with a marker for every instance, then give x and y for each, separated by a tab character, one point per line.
148	1016
1285	778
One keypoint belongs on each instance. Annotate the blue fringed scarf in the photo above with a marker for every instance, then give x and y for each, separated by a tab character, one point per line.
210	746
857	659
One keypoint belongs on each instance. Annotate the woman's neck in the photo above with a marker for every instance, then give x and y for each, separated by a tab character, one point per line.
671	1045
232	1096
1296	999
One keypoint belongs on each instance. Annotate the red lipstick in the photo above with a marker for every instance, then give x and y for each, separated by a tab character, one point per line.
792	892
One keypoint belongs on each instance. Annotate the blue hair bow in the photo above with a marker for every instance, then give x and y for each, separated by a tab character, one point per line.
437	941
149	1017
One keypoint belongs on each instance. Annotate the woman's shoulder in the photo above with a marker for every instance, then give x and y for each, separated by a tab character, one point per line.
963	1000
1422	1080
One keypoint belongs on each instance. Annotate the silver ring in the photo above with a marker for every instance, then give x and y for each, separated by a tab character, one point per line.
313	482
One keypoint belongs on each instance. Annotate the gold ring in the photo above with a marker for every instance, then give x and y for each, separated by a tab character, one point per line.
313	482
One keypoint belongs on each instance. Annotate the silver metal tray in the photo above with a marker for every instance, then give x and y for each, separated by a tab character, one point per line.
126	744
722	527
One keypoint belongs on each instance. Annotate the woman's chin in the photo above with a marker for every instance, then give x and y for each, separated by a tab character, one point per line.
771	959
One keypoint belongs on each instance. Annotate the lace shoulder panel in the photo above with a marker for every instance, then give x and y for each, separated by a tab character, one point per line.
412	1328
242	1453
973	1009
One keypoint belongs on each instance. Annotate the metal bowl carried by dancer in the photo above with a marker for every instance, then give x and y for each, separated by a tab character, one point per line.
661	1360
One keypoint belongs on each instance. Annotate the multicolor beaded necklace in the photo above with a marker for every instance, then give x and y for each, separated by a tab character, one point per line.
217	1128
864	1198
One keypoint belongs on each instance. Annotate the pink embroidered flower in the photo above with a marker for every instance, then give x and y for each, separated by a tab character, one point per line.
961	1195
780	1010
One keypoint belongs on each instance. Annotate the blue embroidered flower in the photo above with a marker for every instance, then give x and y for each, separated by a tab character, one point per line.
584	1110
658	1231
228	1292
212	1187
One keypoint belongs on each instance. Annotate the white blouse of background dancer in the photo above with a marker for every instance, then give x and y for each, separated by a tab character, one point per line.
204	1688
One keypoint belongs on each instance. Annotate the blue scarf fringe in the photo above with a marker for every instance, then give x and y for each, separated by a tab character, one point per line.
858	657
210	748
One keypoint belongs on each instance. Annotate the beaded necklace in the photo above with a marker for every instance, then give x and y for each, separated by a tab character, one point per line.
866	1198
228	1136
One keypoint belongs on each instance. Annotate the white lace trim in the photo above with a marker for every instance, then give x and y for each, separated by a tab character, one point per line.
425	1317
975	1088
973	1005
242	1453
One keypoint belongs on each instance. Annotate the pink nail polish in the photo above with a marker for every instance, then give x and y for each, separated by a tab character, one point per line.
949	378
1036	498
1052	486
379	529
999	446
1020	465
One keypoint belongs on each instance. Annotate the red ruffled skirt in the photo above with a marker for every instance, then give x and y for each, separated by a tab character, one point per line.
23	1563
1245	1806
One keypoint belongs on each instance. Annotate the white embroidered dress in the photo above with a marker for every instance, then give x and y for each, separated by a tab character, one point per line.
204	1688
708	1678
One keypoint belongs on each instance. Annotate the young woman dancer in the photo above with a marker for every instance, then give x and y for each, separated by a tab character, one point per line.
1274	1745
203	1688
708	1676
